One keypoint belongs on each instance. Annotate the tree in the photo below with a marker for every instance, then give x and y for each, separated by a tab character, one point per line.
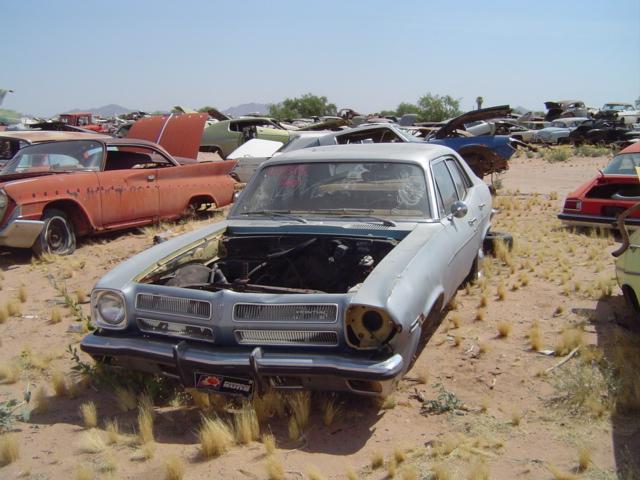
436	108
405	107
308	105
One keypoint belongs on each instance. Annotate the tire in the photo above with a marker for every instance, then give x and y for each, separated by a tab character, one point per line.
475	273
57	236
492	237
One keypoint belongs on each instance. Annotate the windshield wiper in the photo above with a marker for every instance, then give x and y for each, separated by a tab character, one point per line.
277	213
361	213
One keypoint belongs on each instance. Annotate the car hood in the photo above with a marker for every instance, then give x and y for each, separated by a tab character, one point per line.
458	122
178	134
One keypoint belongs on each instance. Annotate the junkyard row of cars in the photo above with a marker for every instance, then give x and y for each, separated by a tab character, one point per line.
330	272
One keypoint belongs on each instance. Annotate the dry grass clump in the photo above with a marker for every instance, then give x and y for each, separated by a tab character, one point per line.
561	474
215	436
535	338
377	460
174	468
479	471
409	472
455	321
59	383
145	423
14	309
274	467
389	403
516	417
293	430
200	399
91	442
9	449
392	468
269	442
4	314
330	411
113	431
351	474
501	292
422	375
480	315
89	414
40	400
56	316
268	405
125	399
448	444
300	406
484	301
483	347
314	474
399	455
83	472
22	294
246	424
9	373
504	328
485	403
441	472
571	337
584	457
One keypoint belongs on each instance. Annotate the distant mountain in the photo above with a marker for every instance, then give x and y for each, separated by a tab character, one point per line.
246	108
104	111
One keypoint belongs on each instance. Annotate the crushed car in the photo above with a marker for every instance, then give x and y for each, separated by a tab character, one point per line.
223	137
331	272
598	202
53	192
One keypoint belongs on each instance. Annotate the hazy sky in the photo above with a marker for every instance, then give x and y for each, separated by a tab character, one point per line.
367	55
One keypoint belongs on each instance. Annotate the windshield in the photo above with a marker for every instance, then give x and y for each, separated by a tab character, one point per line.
345	188
57	157
624	164
558	125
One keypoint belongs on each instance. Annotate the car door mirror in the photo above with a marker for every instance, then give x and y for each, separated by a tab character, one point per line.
459	209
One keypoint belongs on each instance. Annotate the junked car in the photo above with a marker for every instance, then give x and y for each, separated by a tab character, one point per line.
225	136
598	202
330	273
558	130
53	192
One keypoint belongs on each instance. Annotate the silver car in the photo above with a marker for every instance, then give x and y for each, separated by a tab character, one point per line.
330	273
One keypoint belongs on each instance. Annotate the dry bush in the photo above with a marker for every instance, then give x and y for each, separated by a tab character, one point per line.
535	338
448	444
392	468
89	414
268	405
174	468
501	292
109	464
570	338
59	383
246	424
4	314
83	472
516	417
56	316
409	472
377	460
274	467
479	471
504	328
215	436
269	442
584	388
91	442
399	455
484	301
145	452
480	315
145	423
441	472
9	449
14	309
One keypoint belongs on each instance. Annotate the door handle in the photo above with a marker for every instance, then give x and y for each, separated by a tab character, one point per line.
472	222
151	178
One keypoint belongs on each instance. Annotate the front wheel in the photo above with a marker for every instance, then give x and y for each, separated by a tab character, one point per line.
57	235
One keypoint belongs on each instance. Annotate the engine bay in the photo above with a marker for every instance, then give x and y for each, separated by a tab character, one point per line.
282	264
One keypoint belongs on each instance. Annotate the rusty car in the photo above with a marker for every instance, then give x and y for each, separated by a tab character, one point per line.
331	272
53	192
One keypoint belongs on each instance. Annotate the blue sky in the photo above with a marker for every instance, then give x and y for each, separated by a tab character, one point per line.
367	55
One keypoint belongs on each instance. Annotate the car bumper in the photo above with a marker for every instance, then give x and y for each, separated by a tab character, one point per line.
20	233
577	220
184	360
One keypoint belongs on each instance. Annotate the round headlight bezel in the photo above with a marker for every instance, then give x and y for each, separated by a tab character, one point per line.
109	309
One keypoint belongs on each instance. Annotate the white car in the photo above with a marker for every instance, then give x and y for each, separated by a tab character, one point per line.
559	130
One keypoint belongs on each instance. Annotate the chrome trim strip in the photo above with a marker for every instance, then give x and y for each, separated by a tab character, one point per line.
287	337
173	334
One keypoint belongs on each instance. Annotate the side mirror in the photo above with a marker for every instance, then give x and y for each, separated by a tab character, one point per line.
459	209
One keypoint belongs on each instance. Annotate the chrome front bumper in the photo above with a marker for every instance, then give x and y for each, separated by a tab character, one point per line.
183	360
20	233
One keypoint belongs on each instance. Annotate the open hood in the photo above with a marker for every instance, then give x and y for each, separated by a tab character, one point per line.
458	122
178	134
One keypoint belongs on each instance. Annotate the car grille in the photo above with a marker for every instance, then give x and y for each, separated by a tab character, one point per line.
173	305
321	313
286	337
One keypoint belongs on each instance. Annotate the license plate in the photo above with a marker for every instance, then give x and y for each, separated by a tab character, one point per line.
224	384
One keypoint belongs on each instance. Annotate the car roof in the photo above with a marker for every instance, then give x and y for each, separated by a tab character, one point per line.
35	136
378	152
633	148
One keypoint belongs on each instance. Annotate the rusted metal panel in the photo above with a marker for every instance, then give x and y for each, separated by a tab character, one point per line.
179	134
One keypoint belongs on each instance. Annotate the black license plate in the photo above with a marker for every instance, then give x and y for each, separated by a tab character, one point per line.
224	384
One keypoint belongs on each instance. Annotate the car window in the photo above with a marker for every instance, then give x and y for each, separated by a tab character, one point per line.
125	158
446	187
57	157
624	164
458	178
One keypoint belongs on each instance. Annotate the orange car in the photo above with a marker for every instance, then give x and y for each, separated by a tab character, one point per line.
53	192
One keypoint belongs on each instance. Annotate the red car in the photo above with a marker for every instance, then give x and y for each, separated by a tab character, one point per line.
598	202
53	192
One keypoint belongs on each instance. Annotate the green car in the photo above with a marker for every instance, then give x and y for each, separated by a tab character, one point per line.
225	136
628	261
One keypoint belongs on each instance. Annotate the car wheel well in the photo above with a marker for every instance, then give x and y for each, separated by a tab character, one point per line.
482	160
199	204
77	216
429	326
630	297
